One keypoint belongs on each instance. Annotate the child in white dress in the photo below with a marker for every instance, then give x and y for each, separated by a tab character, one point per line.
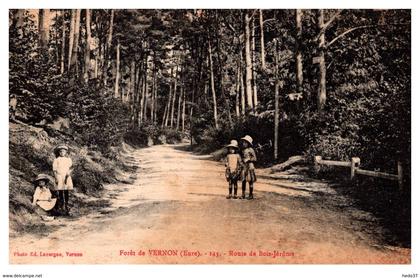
43	200
62	167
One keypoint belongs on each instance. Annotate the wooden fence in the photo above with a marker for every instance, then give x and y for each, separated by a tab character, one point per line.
354	166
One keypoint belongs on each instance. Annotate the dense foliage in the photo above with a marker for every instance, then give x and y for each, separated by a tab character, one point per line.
96	119
173	64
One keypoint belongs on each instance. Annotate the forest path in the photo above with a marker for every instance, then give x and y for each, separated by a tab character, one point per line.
178	203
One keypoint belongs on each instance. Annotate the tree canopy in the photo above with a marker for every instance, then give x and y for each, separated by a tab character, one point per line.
335	83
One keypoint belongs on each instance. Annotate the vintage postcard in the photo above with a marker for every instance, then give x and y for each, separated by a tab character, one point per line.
210	136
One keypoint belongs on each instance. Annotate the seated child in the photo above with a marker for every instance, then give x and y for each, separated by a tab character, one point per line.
42	197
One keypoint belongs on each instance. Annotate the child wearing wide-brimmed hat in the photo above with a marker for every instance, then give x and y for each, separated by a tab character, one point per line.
248	172
233	168
42	197
62	167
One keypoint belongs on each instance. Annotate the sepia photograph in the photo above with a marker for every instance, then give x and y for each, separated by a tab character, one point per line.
209	136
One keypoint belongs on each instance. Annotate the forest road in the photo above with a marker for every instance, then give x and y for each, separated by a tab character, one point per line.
176	212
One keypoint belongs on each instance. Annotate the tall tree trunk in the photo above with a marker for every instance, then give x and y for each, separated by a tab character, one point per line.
18	20
168	105
146	90
143	91
206	95
174	98
213	90
199	62
243	108
238	90
226	100
88	43
57	32
95	71
71	36
146	98
117	73
73	63
136	97
183	111
141	95
178	114
132	78
152	94
248	62
108	47
63	44
276	103
222	75
165	113
254	68
155	120
276	119
110	30
44	27
299	66
192	111
101	58
322	89
262	40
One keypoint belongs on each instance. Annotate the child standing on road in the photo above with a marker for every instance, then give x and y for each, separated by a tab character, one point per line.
248	172
233	168
62	167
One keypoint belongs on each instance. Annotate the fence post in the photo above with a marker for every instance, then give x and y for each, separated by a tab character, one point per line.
318	158
400	175
355	163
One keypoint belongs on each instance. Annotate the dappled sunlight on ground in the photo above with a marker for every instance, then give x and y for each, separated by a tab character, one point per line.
178	202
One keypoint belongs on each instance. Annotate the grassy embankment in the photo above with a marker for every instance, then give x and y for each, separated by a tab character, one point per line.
31	153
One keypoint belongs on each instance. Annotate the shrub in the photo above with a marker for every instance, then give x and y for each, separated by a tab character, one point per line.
172	136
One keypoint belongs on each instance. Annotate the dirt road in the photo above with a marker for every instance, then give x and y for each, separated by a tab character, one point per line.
176	212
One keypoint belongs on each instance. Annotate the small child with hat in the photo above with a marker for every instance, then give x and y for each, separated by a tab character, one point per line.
62	167
248	172
43	197
233	168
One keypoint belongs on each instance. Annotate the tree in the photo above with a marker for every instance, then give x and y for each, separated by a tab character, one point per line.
75	40
238	90
107	63
117	72
143	99
174	96
168	105
153	93
299	65
183	111
262	40
88	45
248	63
322	87
63	44
18	21
276	103
213	90
254	70
71	37
44	27
178	114
242	87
